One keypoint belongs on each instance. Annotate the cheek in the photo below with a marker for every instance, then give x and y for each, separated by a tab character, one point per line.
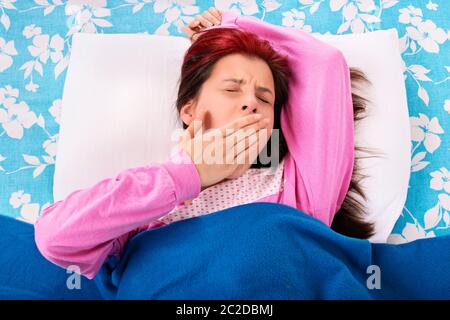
269	114
209	120
217	115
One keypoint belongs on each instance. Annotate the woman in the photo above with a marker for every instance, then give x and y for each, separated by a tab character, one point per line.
237	85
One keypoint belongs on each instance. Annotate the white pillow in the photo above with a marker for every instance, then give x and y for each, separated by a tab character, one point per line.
118	106
118	111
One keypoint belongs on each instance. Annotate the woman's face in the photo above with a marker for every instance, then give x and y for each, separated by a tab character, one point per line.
239	85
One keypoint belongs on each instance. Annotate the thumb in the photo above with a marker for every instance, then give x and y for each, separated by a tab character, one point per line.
187	30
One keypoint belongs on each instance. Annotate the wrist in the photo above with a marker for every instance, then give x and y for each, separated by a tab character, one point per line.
184	174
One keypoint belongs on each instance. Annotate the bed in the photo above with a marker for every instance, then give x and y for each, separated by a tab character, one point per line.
35	46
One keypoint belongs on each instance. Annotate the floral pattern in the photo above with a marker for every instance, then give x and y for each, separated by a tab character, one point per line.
35	46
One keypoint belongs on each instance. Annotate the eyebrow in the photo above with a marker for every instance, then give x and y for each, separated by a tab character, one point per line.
241	81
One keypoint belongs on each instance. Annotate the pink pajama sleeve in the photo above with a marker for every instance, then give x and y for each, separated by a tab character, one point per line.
91	224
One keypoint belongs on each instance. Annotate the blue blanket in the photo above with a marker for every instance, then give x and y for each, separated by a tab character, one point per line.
272	251
253	251
26	274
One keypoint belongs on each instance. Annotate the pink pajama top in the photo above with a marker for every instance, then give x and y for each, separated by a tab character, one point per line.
91	224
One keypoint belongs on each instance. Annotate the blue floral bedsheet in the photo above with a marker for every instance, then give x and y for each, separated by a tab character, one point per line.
35	43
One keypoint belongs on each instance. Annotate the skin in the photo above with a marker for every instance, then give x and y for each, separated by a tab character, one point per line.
209	18
221	102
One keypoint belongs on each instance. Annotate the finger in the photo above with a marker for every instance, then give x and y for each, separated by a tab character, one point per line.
204	22
242	152
194	23
262	123
257	138
222	138
236	140
234	144
187	30
241	134
240	123
244	155
211	18
216	12
194	36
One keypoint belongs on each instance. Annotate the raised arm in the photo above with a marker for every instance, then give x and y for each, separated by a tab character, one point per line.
91	224
317	121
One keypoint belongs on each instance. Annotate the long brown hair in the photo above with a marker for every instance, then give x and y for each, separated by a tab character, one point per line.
197	66
350	219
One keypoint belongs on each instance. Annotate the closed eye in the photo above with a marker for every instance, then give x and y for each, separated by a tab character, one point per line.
232	90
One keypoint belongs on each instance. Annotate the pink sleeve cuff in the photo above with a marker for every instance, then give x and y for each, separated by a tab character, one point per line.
184	174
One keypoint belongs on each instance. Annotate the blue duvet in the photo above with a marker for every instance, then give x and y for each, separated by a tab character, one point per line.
253	251
272	251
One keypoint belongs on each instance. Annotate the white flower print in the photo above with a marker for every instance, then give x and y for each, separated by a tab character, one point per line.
94	3
17	117
31	31
44	47
410	15
7	50
441	180
2	158
29	212
426	131
55	110
428	35
444	201
410	233
270	5
8	4
8	96
18	199
295	19
363	5
178	13
51	147
4	18
245	7
31	86
447	106
432	6
413	232
86	18
357	14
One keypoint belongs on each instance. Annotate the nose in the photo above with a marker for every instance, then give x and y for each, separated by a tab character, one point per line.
249	108
249	103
